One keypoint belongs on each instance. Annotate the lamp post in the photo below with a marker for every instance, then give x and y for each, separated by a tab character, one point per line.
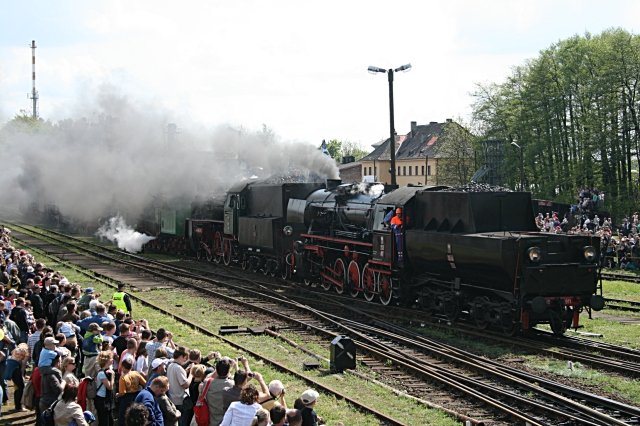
521	166
392	135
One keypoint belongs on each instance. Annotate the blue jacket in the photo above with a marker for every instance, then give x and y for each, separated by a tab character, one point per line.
146	398
84	324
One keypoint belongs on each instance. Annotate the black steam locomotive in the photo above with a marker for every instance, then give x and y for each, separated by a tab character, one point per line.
477	253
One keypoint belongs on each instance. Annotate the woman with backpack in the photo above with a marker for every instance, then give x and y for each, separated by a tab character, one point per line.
68	409
104	382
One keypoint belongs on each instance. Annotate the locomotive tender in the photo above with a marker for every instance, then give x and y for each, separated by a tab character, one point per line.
477	253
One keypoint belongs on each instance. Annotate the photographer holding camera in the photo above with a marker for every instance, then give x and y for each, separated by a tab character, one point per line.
241	379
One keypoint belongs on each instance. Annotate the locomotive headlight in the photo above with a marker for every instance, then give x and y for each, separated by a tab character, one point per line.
535	254
589	253
288	230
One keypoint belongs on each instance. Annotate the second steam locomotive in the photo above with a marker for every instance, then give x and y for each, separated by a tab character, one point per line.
435	248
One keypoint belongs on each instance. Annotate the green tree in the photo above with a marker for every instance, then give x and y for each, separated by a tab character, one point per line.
574	111
352	148
456	145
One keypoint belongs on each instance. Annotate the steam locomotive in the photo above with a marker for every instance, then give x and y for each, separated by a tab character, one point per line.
457	252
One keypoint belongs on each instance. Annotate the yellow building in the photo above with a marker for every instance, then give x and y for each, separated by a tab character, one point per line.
416	157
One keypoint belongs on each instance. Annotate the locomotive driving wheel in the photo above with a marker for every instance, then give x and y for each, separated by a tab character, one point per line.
386	289
217	247
368	283
557	323
480	313
226	252
245	263
354	279
340	275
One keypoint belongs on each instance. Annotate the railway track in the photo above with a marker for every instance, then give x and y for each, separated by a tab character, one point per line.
446	367
622	305
620	277
618	359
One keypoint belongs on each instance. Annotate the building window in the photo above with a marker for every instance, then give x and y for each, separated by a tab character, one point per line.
428	170
416	170
409	170
404	170
422	170
369	170
398	170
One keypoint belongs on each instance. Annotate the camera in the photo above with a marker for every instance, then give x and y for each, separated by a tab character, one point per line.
251	375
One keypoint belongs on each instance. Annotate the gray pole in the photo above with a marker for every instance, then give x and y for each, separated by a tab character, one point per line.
392	133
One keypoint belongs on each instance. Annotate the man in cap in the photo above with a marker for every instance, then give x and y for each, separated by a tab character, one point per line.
309	399
83	302
276	396
48	353
158	368
121	300
10	301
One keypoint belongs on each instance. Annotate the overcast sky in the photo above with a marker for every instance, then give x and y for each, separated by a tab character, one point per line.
300	67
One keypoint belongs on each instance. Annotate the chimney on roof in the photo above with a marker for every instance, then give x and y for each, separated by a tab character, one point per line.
413	126
449	120
432	122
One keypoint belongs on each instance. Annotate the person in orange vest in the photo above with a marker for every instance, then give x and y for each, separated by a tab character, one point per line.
396	227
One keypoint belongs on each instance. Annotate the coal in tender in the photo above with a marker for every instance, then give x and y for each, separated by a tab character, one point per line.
477	187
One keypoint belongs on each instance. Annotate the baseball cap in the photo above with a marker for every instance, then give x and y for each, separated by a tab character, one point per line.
275	387
88	290
50	341
94	327
158	362
309	396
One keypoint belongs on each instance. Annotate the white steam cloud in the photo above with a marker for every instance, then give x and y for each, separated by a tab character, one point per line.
116	230
119	157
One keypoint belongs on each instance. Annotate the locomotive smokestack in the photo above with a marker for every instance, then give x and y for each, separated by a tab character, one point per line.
34	92
333	183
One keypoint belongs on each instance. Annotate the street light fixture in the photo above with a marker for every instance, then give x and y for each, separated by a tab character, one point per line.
392	133
521	166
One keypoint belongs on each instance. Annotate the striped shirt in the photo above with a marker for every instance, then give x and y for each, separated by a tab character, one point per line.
31	341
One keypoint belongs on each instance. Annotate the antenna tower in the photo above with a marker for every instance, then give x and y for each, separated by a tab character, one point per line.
34	93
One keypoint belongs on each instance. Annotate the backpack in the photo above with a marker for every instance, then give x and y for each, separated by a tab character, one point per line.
48	414
201	409
93	386
28	395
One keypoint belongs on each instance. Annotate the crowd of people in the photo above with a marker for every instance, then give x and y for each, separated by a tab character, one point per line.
77	360
619	245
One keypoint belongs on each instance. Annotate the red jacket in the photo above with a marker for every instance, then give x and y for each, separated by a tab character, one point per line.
36	379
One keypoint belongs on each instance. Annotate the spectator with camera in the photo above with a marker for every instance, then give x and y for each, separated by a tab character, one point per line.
164	339
179	382
219	381
275	396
